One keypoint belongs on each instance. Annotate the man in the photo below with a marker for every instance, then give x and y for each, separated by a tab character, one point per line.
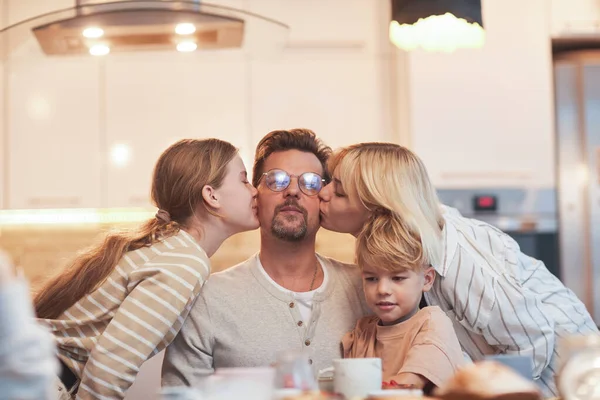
285	298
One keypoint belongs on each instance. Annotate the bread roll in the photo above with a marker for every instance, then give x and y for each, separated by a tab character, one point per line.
488	380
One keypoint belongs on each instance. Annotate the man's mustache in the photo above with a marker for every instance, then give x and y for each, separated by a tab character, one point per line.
291	203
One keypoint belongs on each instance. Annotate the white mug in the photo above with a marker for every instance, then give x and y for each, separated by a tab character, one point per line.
246	383
355	377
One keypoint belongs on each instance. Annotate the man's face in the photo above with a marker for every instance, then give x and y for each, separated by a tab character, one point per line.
289	214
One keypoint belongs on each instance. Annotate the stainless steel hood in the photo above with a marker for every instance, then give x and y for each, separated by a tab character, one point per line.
125	26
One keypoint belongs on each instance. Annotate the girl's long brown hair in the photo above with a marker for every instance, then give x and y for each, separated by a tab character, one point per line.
179	176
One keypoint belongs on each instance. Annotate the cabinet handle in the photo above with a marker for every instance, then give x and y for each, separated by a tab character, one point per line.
54	201
139	201
598	164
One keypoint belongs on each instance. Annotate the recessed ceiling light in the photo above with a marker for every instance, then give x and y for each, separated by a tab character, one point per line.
186	46
99	50
93	32
185	29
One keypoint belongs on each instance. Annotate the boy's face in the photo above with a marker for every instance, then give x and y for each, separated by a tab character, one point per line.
394	295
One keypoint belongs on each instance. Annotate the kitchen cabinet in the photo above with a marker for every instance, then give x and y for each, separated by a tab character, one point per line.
20	10
484	117
572	18
52	127
153	100
329	24
336	93
86	131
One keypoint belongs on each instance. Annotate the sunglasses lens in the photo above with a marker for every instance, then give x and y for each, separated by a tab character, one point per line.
310	183
277	180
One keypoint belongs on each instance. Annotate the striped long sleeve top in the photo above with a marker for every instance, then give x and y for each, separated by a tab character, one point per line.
502	301
106	336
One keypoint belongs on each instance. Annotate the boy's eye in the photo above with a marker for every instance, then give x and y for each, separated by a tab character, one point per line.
398	278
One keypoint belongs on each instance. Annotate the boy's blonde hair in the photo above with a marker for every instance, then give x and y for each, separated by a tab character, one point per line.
405	227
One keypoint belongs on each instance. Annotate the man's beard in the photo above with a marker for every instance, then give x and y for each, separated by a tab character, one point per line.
283	232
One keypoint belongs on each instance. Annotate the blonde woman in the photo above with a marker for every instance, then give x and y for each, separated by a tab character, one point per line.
122	302
500	300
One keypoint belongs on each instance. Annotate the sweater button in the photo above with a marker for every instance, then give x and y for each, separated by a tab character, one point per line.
310	361
307	342
300	323
292	305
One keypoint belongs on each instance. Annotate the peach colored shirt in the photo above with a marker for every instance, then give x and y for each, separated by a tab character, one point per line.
425	345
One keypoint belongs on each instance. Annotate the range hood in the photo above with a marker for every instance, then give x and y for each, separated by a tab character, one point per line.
126	26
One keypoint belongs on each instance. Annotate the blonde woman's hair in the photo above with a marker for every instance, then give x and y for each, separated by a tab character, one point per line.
404	230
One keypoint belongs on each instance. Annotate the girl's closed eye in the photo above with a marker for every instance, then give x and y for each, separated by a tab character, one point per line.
370	279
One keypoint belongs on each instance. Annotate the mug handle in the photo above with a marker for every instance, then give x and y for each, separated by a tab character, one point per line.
324	371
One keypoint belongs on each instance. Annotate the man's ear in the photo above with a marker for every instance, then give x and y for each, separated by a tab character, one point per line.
429	278
211	197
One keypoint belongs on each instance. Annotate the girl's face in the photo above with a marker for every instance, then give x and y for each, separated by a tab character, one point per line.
238	198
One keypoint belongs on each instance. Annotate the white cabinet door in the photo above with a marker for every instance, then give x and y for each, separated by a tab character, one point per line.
336	93
322	24
153	100
20	10
568	17
53	131
482	118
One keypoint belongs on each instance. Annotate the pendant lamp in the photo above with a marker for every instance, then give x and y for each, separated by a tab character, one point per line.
437	25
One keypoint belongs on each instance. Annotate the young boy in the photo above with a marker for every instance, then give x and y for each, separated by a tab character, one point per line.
418	347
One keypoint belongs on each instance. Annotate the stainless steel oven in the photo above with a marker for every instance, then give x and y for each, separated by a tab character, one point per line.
529	216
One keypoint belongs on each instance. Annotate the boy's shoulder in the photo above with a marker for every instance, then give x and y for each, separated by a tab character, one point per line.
431	315
433	322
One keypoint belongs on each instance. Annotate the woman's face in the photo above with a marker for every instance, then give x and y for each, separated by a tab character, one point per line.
238	198
340	211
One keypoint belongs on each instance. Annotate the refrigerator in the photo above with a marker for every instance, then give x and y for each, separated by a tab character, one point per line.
577	102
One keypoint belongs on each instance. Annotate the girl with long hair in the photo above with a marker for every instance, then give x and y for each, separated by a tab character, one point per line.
122	302
500	300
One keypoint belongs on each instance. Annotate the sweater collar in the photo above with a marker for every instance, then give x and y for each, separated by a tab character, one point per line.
286	297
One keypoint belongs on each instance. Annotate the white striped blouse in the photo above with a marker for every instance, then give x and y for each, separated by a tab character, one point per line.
106	336
502	301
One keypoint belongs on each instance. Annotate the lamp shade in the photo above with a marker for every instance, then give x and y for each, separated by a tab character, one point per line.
437	25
